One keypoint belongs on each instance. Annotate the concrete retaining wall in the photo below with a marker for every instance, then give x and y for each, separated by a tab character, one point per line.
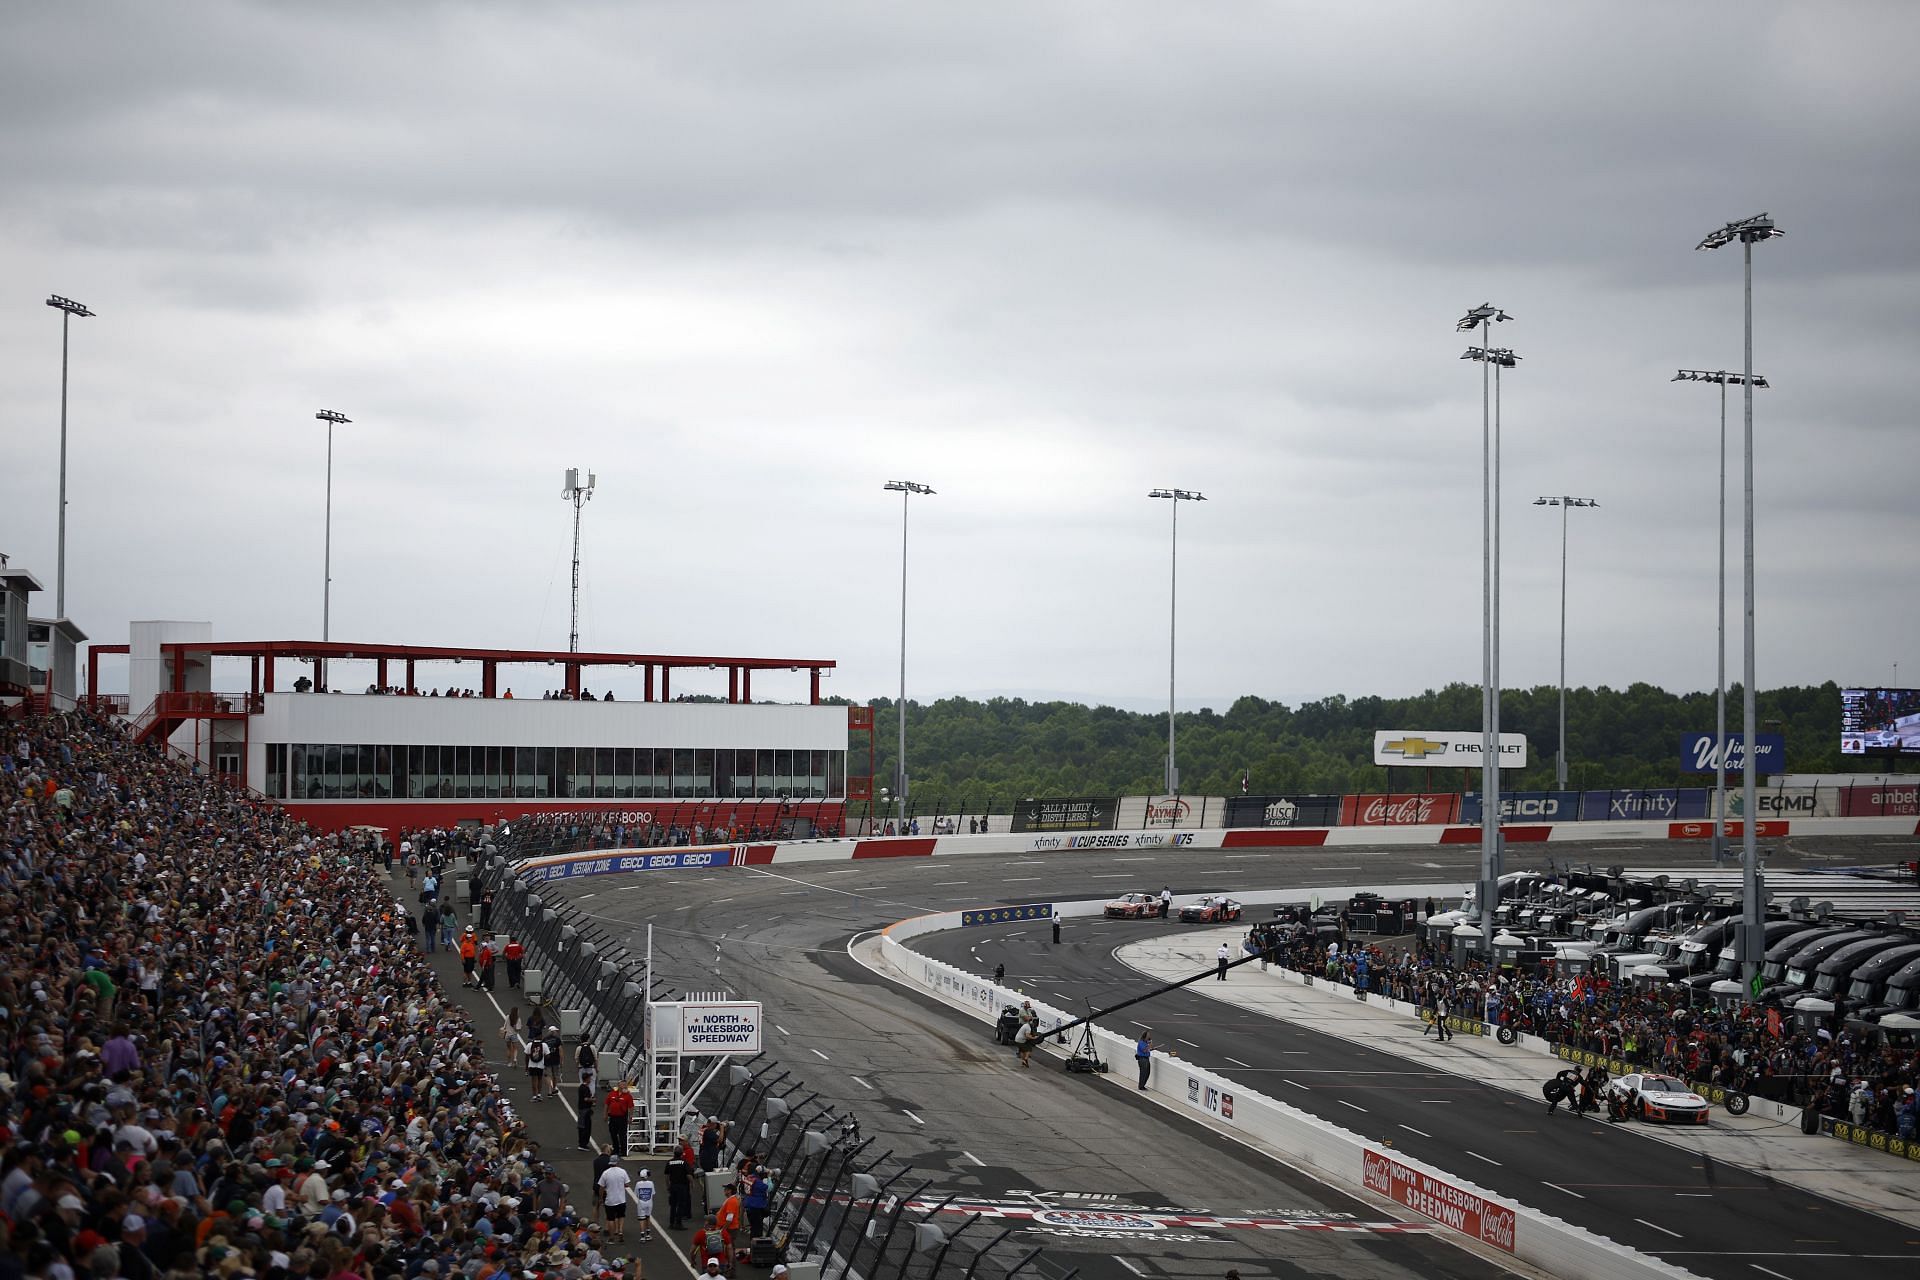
1342	1157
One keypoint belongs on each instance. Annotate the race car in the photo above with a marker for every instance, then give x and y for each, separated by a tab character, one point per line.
1655	1097
1210	909
1134	906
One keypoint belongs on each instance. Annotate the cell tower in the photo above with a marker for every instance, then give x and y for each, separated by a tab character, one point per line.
579	495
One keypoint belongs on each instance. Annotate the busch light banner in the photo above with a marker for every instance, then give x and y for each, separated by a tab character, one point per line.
1526	806
1283	811
1066	815
1697	753
1663	804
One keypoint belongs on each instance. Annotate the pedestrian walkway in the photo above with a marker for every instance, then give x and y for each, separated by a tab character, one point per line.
553	1122
1867	1179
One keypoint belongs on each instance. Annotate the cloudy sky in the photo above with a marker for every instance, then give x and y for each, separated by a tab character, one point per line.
750	262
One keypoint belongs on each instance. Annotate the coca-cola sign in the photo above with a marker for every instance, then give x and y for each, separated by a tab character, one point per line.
1399	810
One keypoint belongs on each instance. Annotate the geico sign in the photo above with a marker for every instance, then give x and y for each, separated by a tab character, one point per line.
1534	807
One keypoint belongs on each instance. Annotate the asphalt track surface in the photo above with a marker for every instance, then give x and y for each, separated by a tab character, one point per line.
1049	1148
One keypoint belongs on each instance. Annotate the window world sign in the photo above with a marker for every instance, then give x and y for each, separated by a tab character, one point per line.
1698	755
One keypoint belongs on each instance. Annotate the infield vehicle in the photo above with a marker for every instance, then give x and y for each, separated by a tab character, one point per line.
1134	906
1795	973
1835	974
1656	1097
1889	984
1211	909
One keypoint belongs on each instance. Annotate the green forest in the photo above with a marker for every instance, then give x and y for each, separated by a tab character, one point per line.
965	751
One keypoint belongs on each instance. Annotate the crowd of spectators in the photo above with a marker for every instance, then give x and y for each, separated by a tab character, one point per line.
585	830
1837	1071
223	1057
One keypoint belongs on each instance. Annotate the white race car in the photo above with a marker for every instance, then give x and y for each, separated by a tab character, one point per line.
1657	1097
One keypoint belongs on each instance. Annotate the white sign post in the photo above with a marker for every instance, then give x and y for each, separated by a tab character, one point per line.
711	1027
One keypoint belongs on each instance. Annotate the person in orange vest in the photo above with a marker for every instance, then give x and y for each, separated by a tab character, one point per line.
513	955
469	948
619	1107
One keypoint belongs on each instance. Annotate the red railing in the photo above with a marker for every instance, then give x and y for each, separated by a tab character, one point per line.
193	704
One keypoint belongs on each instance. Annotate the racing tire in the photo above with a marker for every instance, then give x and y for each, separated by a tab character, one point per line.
1809	1119
1506	1035
1737	1102
1640	1109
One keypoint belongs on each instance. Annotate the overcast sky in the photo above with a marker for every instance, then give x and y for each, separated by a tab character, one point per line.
750	262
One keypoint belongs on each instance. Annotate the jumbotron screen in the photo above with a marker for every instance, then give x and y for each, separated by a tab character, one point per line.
1879	722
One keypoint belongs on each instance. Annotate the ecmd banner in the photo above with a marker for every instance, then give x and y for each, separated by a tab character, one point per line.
1283	811
1699	754
1066	815
1525	806
1657	803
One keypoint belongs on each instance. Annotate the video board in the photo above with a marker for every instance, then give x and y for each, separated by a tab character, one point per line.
1879	722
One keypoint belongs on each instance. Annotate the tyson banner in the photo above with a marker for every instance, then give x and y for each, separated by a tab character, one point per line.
1471	1215
1399	810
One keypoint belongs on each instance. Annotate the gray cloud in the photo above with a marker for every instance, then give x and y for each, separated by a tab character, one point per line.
751	263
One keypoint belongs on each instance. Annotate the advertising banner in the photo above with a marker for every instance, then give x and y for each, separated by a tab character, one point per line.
1180	811
720	1026
1066	815
1399	810
1283	811
1878	801
1525	806
1787	802
604	863
1698	753
1473	1215
1444	749
1210	1098
1651	803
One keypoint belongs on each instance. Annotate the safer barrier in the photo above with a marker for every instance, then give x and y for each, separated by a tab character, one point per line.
1472	1213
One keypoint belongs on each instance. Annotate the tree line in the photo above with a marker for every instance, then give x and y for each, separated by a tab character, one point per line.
1009	748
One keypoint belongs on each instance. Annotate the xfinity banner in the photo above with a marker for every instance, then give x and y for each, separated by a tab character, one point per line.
1698	753
1065	815
1526	806
1283	811
1445	750
1660	803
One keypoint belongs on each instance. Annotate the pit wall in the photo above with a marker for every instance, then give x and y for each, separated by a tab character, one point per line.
1418	1190
610	861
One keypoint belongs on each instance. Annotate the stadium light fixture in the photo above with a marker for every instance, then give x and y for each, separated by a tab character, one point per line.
908	490
1492	360
572	490
1750	946
1722	378
68	309
1176	497
1564	503
333	418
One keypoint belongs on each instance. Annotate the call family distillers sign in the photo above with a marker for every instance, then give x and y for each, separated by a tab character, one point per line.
1445	750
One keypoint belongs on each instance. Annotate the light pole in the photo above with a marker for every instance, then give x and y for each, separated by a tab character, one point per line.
68	309
1176	497
579	495
906	489
1564	503
1750	947
1483	317
1722	377
332	418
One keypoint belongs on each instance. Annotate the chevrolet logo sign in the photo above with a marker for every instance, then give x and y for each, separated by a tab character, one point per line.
1414	748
